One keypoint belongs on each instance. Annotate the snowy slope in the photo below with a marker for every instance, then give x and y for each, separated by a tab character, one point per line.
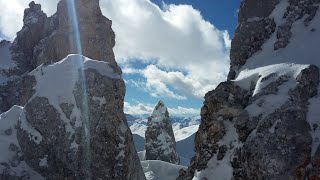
10	151
184	133
160	170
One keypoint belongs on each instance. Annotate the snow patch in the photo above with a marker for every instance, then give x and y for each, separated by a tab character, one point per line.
185	132
302	48
279	11
8	140
269	103
142	155
34	135
272	129
222	169
74	145
44	161
65	74
253	19
313	117
102	100
159	114
160	170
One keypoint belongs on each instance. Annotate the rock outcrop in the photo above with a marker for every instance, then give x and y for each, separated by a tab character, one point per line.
160	141
263	123
70	122
78	27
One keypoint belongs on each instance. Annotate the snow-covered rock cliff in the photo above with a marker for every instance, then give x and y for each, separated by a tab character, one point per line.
70	122
263	123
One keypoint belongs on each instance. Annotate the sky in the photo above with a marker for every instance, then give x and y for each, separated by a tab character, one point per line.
169	50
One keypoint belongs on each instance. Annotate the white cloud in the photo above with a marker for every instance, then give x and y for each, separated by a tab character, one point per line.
11	14
140	109
184	84
175	37
137	109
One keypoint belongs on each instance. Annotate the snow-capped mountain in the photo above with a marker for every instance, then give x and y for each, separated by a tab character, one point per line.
183	127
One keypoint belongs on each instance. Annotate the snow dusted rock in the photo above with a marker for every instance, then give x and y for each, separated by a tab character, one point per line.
263	123
12	162
216	134
160	141
77	130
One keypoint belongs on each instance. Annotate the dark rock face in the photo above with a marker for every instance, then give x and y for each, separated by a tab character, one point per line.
222	105
160	141
81	133
96	37
254	28
262	126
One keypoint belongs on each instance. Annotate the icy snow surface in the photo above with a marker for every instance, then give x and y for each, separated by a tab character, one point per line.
160	170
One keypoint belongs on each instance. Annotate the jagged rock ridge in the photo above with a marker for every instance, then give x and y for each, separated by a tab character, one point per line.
160	141
70	123
262	123
45	40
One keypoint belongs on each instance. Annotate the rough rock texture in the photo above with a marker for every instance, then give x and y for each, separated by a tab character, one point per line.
47	40
256	23
254	28
160	141
71	123
263	123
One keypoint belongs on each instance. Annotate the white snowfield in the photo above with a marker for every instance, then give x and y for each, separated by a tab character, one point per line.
160	170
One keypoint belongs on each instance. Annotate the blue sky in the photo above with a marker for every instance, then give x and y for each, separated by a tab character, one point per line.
171	50
223	14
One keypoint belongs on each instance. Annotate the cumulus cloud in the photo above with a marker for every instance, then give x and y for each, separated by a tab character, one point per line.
178	38
11	14
137	109
189	54
141	109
